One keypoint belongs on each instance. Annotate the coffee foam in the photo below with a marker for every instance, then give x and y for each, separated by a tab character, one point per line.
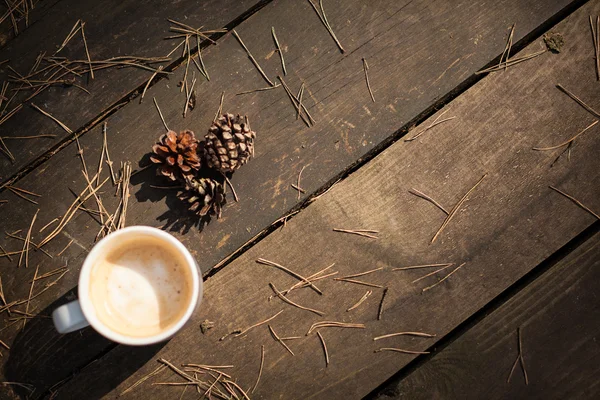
140	288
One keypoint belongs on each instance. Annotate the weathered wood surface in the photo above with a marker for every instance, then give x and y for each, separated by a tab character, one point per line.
559	317
62	171
113	28
330	146
508	225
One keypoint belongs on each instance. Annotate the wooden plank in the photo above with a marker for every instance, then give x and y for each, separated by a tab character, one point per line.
127	30
35	14
266	201
509	225
559	319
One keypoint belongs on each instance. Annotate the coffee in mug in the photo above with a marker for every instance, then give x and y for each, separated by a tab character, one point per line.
138	285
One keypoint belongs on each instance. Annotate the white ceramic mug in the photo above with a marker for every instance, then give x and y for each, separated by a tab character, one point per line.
81	313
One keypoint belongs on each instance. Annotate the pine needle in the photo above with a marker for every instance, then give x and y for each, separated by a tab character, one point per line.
251	57
360	301
400	350
160	114
323	18
574	200
289	271
278	339
278	49
262	363
47	114
443	279
456	207
242	332
288	301
324	348
433	124
366	68
418	334
87	52
579	101
568	141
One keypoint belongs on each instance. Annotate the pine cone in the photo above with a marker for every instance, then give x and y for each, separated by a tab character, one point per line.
229	143
203	196
176	154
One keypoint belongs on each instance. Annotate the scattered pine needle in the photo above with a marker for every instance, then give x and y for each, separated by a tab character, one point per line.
149	82
420	266
366	68
323	18
400	350
258	90
568	142
220	109
278	49
361	274
16	192
72	210
27	241
65	248
47	114
26	386
251	57
357	282
511	62
428	198
519	359
308	119
70	36
144	378
596	41
360	301
299	97
359	232
235	196
435	122
443	279
418	334
506	53
288	301
456	207
314	277
574	200
87	52
380	310
289	271
298	187
278	339
333	324
258	324
160	114
433	273
37	268
27	137
262	363
578	101
324	348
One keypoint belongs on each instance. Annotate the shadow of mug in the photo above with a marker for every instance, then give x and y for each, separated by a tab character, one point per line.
41	357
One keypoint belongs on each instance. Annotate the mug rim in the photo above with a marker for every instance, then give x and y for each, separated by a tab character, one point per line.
85	280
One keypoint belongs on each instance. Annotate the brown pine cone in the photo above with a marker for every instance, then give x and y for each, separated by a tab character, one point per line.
229	143
177	154
203	196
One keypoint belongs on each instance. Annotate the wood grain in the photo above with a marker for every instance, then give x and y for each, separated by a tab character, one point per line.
284	145
127	29
509	225
559	319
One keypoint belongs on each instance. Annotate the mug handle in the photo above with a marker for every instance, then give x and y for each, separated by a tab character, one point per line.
69	317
